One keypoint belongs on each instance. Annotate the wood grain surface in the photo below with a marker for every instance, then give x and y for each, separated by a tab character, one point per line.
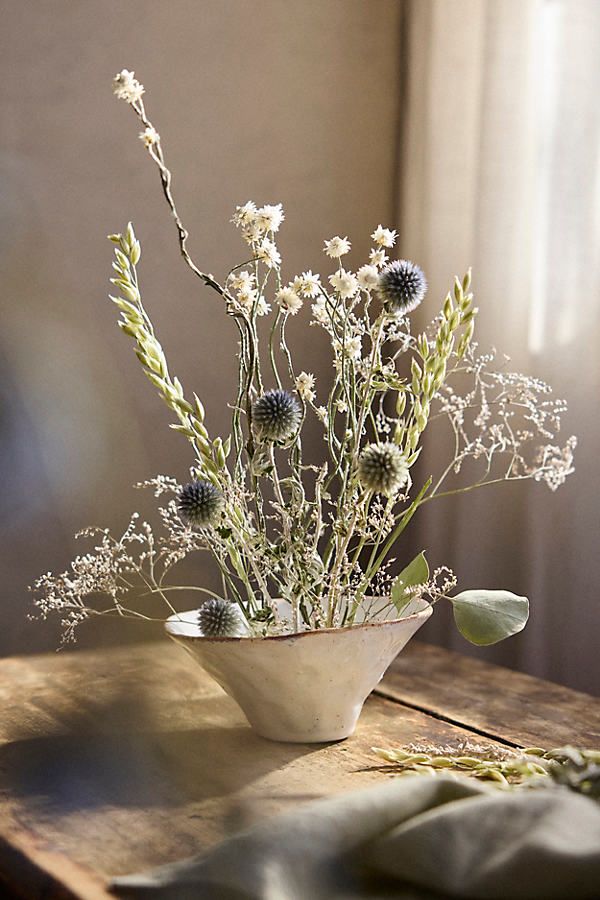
115	761
492	700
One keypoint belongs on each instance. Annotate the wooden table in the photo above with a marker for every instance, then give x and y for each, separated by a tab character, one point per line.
114	761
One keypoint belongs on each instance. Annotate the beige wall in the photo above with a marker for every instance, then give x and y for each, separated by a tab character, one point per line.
276	101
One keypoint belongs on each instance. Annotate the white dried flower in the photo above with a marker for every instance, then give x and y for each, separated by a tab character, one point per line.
378	257
247	298
337	247
288	300
262	307
321	412
242	281
368	277
353	347
320	313
344	283
384	237
149	136
127	87
268	253
252	232
244	215
270	217
307	284
305	383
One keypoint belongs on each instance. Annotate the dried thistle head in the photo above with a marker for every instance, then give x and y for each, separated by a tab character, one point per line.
200	503
276	415
402	286
218	618
383	468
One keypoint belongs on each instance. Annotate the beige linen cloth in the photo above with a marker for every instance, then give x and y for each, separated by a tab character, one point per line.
411	838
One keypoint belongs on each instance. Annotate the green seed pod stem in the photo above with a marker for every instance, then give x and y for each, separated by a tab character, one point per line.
137	325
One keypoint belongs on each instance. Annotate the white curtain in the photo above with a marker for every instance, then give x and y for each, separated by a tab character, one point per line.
500	169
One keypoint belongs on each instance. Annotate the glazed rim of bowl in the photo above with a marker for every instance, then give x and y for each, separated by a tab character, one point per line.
180	619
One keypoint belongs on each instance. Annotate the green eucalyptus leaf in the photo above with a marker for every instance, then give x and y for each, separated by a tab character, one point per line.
416	572
486	617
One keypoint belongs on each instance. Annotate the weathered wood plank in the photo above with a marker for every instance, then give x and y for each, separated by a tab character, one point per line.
492	700
28	869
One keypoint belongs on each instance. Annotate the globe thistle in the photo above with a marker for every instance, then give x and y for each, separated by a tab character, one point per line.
382	468
218	618
402	286
200	503
276	415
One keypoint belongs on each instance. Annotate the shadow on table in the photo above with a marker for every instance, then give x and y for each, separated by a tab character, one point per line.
117	754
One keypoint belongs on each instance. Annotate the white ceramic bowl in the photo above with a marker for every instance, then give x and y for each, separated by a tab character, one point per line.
308	687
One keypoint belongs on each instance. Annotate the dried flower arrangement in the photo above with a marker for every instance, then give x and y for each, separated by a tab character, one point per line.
320	537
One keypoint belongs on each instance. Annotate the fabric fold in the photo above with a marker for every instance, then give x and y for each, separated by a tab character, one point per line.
412	838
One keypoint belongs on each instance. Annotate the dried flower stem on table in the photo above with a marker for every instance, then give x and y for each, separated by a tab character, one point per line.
574	768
